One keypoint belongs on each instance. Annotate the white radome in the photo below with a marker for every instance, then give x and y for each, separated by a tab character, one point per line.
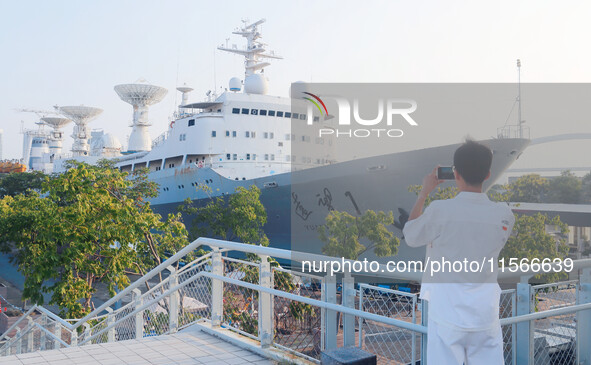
110	141
235	84
256	84
302	88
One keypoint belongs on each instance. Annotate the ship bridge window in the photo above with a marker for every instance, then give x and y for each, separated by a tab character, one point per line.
272	157
266	157
248	156
244	110
213	134
227	156
247	134
254	112
295	115
265	135
234	134
253	134
279	114
235	110
227	133
234	157
191	122
316	119
271	113
262	112
287	114
254	156
302	116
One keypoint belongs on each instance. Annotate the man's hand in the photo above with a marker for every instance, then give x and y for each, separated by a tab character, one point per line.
430	182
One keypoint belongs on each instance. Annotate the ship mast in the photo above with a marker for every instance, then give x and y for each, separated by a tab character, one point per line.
254	53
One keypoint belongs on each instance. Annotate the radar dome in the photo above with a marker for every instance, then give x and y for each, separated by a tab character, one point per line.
256	84
235	84
110	141
300	88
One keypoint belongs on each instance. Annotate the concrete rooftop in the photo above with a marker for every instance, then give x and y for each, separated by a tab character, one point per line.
190	346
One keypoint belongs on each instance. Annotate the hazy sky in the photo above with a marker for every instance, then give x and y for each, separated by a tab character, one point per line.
74	52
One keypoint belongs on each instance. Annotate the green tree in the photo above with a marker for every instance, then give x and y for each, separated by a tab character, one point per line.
529	188
89	225
586	189
439	194
343	234
565	189
20	183
239	217
530	240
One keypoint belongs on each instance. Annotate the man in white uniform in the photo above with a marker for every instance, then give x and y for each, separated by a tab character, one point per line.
463	318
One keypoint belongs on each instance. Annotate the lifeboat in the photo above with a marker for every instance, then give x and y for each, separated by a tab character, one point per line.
10	167
18	167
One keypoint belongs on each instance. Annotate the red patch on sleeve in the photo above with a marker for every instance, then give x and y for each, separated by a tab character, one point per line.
504	228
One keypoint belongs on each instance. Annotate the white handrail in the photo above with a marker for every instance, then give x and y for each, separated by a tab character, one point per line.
275	292
546	313
17	322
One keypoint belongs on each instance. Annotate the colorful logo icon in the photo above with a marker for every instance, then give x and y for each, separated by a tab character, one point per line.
316	103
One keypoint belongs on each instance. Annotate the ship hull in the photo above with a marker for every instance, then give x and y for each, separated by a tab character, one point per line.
298	202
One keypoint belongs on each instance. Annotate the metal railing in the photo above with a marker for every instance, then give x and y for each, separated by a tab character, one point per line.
305	314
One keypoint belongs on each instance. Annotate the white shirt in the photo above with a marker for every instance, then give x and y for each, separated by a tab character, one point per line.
468	228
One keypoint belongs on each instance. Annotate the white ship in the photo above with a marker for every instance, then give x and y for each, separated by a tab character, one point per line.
243	137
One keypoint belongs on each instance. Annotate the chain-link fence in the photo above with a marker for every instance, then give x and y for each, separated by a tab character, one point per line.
240	310
555	337
392	345
297	326
506	310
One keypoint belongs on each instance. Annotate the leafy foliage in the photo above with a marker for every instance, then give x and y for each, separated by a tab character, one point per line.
439	194
89	225
529	188
240	217
565	189
586	189
342	234
530	240
21	183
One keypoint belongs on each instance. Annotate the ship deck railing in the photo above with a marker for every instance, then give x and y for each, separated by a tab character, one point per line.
294	316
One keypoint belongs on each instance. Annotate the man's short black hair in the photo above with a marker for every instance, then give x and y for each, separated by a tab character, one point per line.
472	161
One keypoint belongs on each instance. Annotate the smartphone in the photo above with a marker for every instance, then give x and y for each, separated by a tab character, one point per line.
445	173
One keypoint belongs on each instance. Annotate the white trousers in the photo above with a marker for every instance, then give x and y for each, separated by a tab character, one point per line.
447	346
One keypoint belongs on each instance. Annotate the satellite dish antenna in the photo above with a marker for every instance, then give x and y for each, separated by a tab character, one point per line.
140	96
185	90
81	115
57	136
